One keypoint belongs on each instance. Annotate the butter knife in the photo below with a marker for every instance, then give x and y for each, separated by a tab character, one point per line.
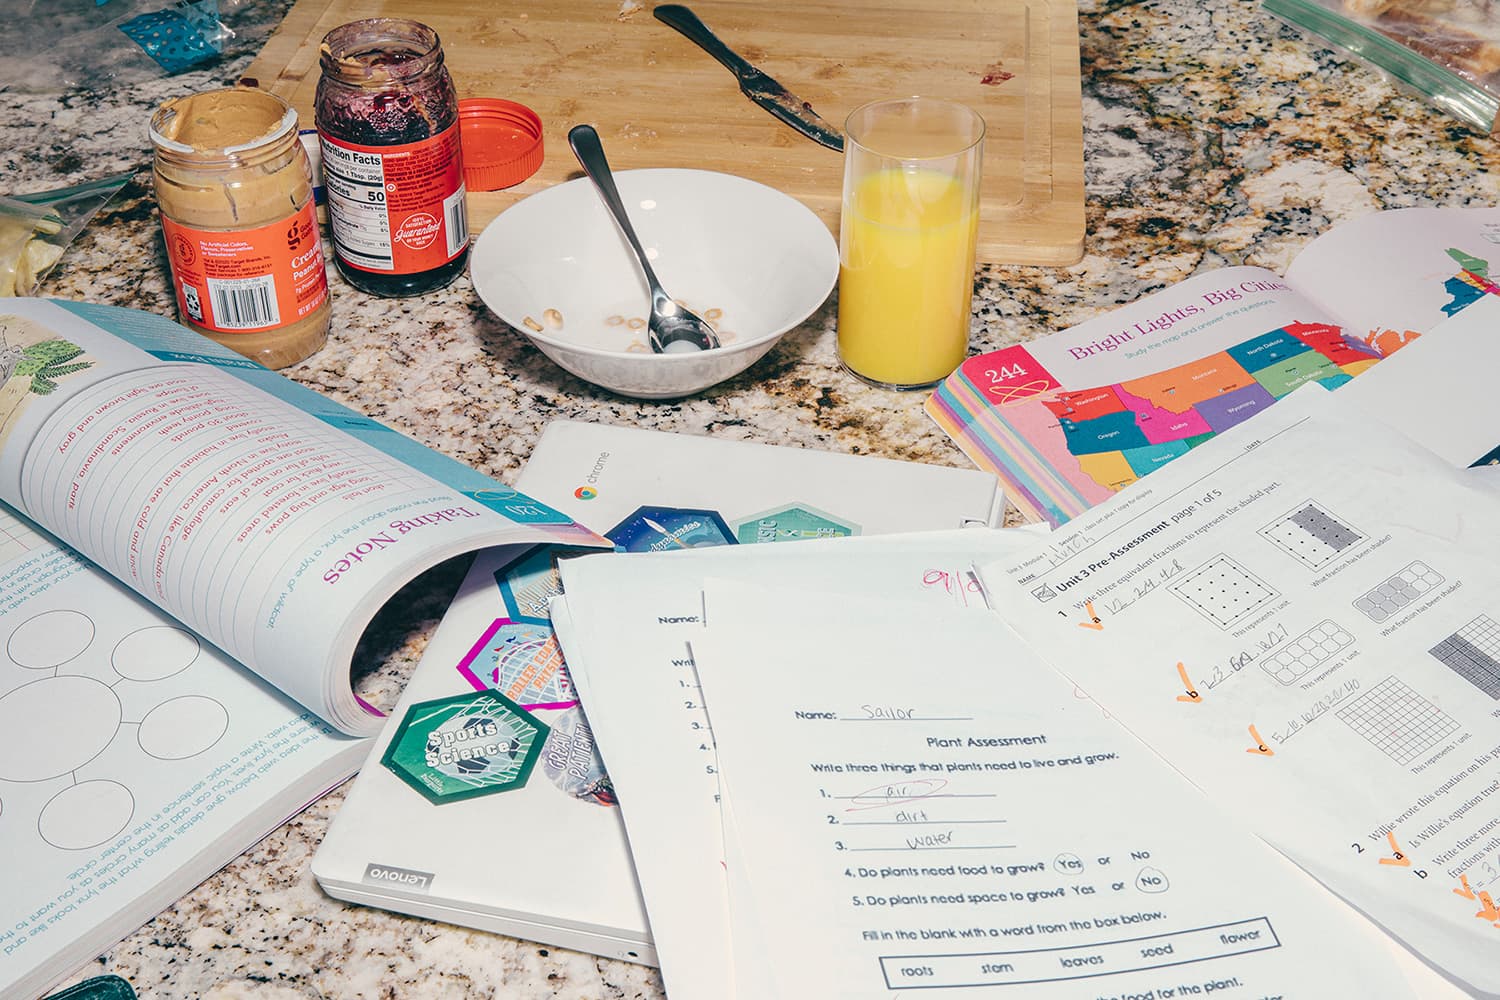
754	83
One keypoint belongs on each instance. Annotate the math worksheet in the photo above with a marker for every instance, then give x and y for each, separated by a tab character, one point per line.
919	803
1303	616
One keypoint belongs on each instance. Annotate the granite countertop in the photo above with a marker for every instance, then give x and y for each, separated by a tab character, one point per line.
1213	136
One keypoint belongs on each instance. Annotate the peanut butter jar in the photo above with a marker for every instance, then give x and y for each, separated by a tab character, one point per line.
235	189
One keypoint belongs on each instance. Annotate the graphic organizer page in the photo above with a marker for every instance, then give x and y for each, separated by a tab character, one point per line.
1302	618
945	815
134	759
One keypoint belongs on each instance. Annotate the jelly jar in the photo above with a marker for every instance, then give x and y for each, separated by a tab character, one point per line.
387	120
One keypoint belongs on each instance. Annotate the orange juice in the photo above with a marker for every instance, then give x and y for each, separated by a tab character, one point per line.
906	275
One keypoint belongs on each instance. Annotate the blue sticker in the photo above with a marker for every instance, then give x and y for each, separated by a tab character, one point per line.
179	37
661	529
528	584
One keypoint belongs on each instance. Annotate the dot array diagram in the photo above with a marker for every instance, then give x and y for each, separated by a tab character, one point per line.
1311	535
1223	591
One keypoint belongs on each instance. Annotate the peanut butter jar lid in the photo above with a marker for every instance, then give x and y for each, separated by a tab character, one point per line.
502	142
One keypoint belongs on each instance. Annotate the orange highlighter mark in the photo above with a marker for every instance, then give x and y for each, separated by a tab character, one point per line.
1396	858
1093	622
1465	892
1192	692
1260	744
1489	912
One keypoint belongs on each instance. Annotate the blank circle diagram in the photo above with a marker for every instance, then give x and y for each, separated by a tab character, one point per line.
53	726
50	639
86	815
183	727
154	653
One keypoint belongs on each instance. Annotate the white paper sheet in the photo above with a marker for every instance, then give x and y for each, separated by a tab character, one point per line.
927	806
1301	616
624	624
1440	388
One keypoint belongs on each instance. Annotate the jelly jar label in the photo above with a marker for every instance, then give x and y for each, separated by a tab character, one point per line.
396	209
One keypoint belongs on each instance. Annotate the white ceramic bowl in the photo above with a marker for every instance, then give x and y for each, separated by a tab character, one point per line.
762	259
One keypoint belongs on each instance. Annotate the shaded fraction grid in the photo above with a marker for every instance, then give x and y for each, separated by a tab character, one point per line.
1473	653
1398	591
1399	722
1311	535
1223	591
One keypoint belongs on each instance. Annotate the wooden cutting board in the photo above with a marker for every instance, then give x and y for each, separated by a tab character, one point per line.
658	100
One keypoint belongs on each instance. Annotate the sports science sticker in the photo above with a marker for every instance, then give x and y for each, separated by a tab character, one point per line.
465	746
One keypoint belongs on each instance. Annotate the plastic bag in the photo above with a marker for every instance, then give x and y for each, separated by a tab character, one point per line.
124	42
35	229
1446	51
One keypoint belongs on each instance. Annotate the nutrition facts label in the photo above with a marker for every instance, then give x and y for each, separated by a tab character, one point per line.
397	209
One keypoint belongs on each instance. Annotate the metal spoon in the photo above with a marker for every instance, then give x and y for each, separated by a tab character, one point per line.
670	325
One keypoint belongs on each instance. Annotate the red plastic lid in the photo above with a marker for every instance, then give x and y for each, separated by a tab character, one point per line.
502	142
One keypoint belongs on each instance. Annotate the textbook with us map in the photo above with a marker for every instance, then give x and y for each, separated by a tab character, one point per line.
1068	420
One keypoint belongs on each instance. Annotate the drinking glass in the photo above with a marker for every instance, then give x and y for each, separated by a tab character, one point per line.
912	169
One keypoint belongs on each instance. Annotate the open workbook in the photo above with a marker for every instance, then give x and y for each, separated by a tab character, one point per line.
190	549
1068	420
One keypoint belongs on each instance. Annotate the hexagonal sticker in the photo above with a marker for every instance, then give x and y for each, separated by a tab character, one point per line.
465	746
662	529
528	583
791	523
523	662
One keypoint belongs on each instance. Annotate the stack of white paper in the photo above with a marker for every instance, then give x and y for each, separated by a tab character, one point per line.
897	794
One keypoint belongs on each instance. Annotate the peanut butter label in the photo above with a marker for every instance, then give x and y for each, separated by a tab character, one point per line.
396	209
251	280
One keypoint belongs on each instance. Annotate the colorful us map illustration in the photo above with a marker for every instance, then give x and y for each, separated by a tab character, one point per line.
1060	450
1104	438
1471	282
